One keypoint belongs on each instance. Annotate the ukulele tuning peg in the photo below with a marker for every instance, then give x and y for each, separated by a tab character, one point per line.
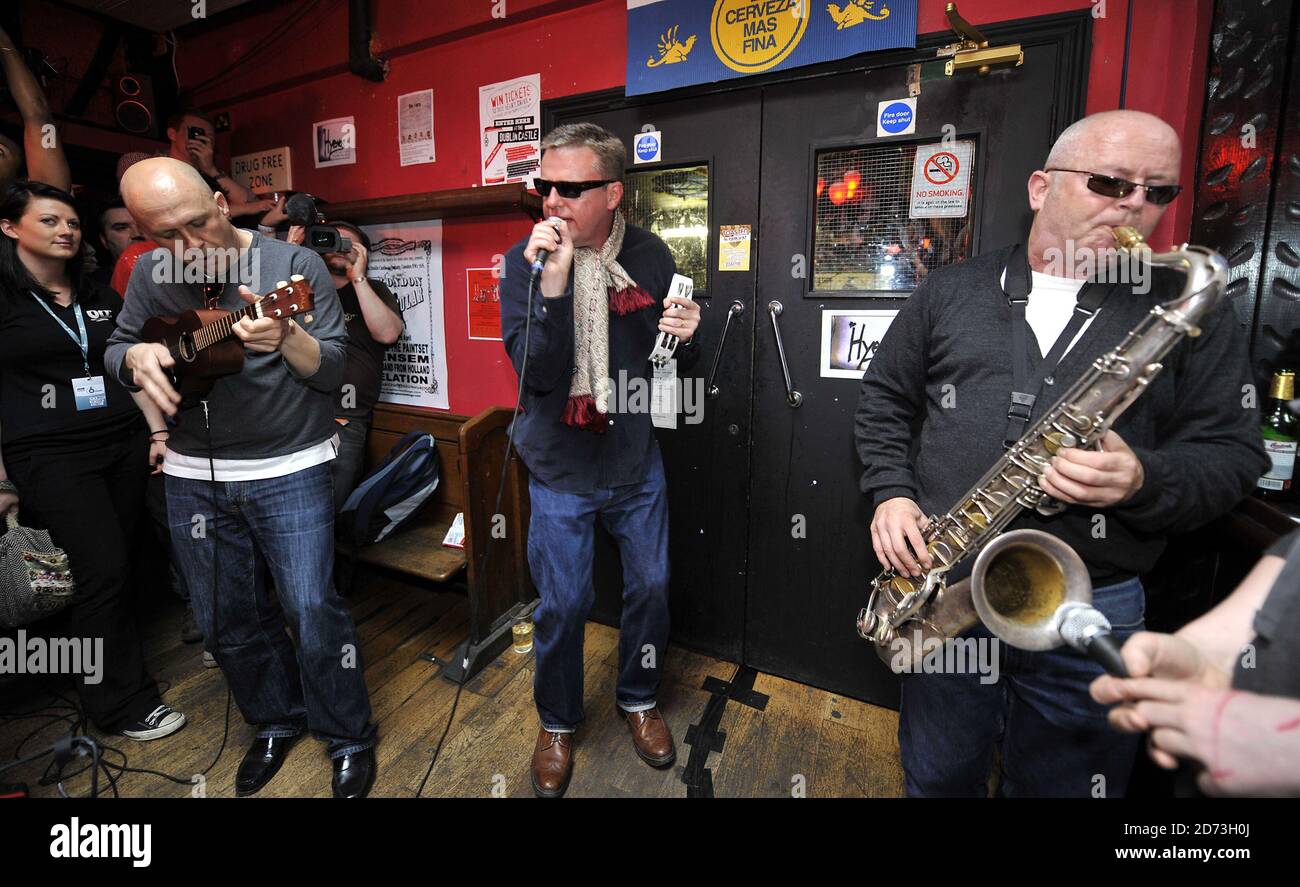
295	278
282	284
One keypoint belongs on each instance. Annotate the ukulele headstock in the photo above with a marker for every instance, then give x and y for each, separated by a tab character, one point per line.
289	299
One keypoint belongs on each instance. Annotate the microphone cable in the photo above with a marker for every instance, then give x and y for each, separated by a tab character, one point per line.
505	468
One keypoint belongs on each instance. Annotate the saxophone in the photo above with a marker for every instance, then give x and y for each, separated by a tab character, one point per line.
1021	578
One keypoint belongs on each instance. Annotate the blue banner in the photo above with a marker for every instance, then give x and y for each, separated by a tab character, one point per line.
672	43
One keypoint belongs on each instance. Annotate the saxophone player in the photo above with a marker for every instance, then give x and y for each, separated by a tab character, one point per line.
980	351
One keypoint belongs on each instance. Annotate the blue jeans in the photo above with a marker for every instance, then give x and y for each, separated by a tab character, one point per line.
561	536
346	468
285	524
1054	740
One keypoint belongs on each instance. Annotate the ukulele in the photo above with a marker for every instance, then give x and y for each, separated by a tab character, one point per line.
203	343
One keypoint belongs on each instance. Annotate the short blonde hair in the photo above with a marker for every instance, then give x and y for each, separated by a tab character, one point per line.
611	153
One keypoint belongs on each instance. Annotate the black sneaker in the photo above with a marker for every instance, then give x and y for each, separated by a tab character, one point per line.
160	722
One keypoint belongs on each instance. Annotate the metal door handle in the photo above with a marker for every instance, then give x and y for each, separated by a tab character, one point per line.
736	308
792	397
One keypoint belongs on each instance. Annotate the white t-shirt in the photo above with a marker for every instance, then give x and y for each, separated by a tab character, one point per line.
1051	303
228	470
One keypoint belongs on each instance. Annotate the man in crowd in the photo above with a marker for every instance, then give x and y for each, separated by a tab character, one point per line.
190	134
117	232
596	314
248	480
936	411
374	322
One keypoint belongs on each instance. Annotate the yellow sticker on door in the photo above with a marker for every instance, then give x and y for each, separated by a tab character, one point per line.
733	248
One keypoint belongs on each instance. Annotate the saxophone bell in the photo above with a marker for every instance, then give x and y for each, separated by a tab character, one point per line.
1020	582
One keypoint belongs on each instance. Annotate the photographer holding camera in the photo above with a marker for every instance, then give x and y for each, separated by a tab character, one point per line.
191	133
374	322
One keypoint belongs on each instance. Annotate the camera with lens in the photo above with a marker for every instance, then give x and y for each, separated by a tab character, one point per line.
327	239
321	238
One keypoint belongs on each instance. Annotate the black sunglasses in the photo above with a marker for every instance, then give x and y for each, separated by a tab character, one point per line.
1110	186
568	190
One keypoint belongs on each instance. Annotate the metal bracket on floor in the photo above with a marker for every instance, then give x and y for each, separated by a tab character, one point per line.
470	658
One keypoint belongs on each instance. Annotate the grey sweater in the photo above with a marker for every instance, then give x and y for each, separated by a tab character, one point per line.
933	411
267	409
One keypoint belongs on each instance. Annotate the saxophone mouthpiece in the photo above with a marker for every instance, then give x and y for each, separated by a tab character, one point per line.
1127	238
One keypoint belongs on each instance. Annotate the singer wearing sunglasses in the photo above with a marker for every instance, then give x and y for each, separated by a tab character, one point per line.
1182	455
597	306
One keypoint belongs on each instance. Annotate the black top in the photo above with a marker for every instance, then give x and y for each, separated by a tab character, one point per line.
35	352
365	360
561	456
933	411
1275	667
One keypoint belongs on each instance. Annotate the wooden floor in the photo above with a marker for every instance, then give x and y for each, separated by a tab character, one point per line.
802	740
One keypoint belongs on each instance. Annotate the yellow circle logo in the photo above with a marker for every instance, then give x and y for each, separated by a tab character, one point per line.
750	36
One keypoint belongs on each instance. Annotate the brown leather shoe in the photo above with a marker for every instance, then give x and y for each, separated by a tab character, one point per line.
552	763
650	737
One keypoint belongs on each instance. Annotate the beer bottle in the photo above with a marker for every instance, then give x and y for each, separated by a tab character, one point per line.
1281	432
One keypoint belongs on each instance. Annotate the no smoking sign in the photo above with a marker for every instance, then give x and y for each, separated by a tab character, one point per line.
942	168
941	181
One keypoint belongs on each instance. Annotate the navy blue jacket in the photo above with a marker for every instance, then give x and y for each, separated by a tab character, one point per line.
561	456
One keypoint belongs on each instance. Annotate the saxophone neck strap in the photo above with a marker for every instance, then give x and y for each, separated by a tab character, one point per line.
1028	380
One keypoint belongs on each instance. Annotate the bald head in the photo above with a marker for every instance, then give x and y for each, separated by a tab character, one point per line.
1070	218
174	206
160	182
1082	139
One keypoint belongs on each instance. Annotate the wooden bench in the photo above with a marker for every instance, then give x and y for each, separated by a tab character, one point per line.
493	567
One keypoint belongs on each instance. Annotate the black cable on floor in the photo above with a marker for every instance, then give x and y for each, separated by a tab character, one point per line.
501	487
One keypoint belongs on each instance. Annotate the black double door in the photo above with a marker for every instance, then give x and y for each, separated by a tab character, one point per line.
770	543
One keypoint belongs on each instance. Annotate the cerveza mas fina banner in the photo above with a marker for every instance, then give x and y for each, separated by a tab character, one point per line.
672	43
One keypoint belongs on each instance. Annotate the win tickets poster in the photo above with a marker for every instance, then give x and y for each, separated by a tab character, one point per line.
407	257
510	118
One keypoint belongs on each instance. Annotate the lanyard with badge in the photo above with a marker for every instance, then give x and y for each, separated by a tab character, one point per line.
1017	287
89	390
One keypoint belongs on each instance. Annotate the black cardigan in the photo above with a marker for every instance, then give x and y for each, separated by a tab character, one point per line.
933	410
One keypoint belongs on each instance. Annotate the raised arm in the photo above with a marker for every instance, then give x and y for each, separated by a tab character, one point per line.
46	161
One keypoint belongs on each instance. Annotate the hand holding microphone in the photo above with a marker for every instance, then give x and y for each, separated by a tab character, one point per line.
550	253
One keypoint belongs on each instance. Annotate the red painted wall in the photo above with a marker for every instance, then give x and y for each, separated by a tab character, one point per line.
577	47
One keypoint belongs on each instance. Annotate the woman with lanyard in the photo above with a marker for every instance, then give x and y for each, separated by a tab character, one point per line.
74	450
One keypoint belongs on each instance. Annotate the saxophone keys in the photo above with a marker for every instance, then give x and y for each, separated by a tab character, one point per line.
901	586
1055	441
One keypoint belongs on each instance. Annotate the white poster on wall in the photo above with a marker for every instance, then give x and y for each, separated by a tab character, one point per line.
415	128
510	129
850	339
335	141
941	180
407	257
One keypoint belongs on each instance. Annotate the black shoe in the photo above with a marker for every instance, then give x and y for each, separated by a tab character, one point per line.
354	774
190	633
261	762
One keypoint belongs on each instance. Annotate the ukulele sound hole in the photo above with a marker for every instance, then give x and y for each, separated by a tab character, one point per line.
186	348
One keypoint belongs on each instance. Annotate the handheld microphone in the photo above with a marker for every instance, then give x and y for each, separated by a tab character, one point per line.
543	254
1085	629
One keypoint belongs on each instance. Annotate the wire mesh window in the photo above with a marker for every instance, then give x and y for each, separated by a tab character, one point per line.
865	237
674	204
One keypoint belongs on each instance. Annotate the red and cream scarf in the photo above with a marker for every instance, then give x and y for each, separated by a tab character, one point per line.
600	287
